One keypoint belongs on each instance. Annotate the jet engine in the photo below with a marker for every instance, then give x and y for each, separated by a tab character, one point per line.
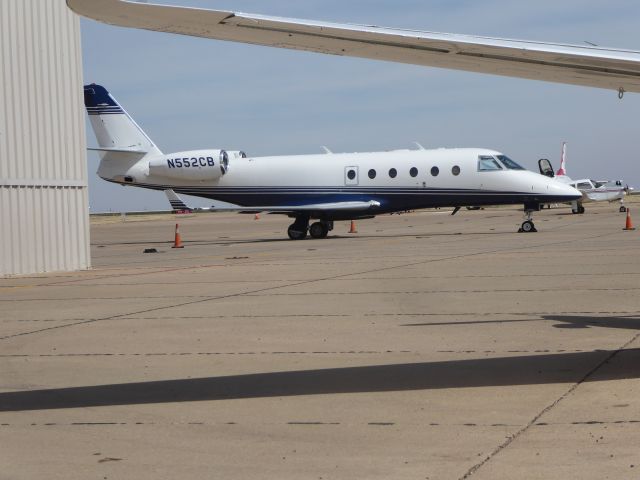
202	165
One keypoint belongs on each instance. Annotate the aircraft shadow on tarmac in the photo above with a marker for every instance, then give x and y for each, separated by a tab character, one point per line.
227	242
627	322
504	371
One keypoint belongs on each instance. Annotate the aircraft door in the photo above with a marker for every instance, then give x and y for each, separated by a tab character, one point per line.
545	168
351	175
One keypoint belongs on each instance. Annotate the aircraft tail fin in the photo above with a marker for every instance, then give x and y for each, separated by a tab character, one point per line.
562	171
176	202
115	130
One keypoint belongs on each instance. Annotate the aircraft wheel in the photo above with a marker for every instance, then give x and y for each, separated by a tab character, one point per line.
527	227
296	233
580	209
319	230
623	209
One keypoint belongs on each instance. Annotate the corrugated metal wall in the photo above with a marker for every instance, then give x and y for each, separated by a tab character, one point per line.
44	222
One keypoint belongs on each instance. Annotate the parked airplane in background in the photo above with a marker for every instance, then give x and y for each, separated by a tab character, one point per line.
178	205
592	190
325	187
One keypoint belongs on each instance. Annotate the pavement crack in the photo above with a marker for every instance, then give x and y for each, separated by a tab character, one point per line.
547	409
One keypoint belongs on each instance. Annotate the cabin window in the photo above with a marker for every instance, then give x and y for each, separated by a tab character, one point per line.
488	164
372	174
413	172
435	171
510	164
393	173
351	174
456	170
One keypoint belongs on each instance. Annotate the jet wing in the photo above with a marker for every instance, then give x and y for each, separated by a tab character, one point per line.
579	65
178	204
317	207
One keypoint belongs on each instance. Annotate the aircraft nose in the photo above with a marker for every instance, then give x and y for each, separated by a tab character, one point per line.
568	193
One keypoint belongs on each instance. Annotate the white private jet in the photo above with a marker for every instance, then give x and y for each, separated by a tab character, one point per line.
592	190
335	189
325	187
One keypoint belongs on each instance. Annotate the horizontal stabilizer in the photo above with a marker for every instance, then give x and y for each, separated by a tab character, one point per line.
117	150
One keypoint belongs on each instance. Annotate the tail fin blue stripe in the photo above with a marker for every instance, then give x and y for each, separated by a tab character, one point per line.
96	96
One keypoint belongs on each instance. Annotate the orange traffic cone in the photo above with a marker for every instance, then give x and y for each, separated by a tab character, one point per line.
629	223
353	227
178	241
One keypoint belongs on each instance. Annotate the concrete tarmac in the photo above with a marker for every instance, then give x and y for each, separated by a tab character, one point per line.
423	347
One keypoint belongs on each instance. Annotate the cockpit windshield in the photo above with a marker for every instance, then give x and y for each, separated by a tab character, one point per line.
507	162
488	163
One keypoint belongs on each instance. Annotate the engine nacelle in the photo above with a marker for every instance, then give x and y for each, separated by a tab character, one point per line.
233	154
195	165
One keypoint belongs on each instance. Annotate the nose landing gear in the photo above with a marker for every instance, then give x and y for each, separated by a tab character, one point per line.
528	226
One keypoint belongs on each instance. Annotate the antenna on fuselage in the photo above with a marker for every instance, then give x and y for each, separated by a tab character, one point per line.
420	147
326	150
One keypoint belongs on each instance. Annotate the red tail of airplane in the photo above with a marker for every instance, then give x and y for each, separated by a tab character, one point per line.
562	171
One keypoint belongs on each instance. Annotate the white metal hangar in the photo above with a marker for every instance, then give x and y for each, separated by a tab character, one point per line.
44	221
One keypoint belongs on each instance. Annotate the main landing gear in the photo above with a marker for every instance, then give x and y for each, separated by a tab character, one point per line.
528	226
623	209
320	229
298	230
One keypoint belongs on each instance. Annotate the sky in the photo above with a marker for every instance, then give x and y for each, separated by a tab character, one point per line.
190	93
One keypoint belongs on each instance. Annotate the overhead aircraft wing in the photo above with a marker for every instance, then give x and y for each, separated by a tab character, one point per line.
579	65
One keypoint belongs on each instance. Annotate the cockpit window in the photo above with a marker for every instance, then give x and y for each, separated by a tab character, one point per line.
510	164
584	186
487	164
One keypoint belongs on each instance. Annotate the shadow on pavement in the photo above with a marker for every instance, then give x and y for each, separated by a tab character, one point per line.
504	371
627	322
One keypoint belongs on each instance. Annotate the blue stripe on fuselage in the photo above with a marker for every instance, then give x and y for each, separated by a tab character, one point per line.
391	199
